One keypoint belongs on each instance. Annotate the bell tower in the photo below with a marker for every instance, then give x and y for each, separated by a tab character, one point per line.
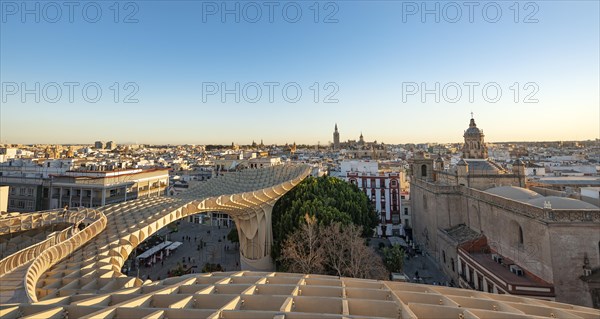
422	166
336	138
474	146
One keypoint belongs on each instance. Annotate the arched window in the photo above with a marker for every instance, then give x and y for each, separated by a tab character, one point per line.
516	234
520	235
423	170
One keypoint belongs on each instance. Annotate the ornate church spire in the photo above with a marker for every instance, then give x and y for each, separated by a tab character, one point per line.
474	146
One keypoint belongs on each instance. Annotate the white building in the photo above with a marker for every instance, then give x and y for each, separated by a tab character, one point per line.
99	188
385	191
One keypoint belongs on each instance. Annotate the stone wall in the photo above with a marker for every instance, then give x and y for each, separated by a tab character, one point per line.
553	241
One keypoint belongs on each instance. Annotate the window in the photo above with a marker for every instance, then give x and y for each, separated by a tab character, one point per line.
21	204
444	256
423	170
452	264
471	277
30	191
22	191
393	183
490	286
29	204
406	223
13	191
405	210
520	235
11	203
516	234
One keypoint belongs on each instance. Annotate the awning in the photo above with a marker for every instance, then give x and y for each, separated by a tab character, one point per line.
397	241
154	250
174	245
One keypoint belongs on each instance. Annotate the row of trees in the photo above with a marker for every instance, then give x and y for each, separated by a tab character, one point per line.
332	249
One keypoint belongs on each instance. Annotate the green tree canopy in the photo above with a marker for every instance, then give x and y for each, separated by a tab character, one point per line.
394	258
330	200
233	236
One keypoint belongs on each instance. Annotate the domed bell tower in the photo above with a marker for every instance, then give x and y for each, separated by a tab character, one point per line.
474	146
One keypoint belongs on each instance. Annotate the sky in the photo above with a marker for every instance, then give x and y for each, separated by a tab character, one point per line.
208	72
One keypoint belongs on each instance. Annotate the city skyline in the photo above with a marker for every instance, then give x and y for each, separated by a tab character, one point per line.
371	63
328	143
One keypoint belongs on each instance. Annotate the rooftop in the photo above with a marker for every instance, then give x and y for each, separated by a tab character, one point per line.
248	294
462	233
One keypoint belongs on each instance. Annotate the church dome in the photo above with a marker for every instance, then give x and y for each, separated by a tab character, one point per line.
515	193
473	129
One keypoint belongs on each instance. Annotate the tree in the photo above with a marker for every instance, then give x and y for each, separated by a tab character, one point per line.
303	251
233	236
348	255
330	200
210	267
394	258
331	250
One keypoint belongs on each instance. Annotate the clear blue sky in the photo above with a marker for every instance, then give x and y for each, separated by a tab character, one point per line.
370	54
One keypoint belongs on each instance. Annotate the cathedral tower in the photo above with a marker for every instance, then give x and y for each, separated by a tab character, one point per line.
336	138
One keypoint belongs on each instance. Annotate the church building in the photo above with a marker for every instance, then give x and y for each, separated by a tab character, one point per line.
489	231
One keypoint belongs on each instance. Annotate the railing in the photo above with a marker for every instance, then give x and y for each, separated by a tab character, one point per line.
24	256
29	221
56	253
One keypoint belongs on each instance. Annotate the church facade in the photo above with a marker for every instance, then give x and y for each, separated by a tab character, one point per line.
489	232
